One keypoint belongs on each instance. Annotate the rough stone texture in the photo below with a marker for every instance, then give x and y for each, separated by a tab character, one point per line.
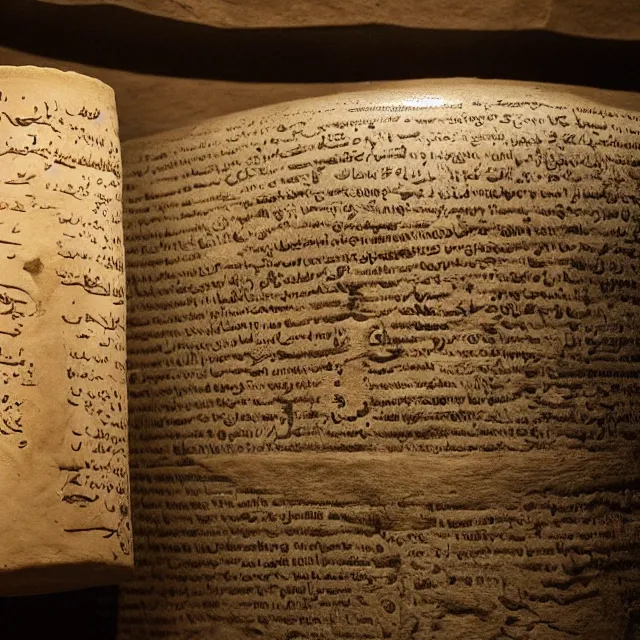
576	17
384	368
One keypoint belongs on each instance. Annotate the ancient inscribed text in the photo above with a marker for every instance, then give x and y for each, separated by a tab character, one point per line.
63	421
384	368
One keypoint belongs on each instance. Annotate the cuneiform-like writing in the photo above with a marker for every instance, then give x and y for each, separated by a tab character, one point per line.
422	311
489	562
418	274
62	299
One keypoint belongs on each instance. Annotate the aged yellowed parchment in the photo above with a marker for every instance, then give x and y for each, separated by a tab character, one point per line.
64	500
384	368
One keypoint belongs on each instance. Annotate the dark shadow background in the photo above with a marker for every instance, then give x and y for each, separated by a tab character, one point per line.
118	38
90	614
